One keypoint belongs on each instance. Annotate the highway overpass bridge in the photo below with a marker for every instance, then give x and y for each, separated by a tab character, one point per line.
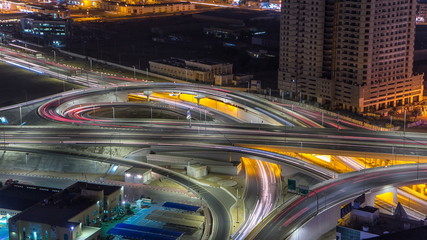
263	122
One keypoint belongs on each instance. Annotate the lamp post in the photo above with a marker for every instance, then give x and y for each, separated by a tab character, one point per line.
20	113
54	55
134	72
294	89
338	121
317	201
237	207
4	140
322	118
3	121
404	122
87	79
205	122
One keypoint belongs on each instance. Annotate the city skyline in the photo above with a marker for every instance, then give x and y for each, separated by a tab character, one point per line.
169	119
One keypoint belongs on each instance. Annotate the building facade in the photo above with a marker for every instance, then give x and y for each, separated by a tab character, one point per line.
135	9
350	54
45	30
422	11
138	175
69	214
368	223
204	70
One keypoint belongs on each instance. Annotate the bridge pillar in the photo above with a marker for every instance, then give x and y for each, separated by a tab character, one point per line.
319	224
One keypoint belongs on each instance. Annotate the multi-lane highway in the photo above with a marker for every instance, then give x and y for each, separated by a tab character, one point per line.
260	123
263	190
363	141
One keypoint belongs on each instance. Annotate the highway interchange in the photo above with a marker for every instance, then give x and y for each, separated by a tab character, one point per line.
69	118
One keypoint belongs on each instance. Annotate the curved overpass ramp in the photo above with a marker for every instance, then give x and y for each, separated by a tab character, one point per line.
285	220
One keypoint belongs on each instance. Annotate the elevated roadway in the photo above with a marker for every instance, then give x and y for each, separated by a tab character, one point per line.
283	221
282	130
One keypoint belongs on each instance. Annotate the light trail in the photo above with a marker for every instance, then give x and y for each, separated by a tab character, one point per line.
264	172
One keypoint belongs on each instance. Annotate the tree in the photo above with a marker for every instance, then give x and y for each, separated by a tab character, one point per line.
416	112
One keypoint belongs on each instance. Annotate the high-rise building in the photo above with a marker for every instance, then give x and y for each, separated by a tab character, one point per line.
422	11
350	54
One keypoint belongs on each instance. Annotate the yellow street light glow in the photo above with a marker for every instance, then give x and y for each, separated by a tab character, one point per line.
326	158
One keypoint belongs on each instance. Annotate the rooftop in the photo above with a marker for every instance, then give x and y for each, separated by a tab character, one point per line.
384	224
207	61
5	16
419	233
19	197
368	209
108	189
43	17
147	5
47	7
240	14
138	170
177	62
59	208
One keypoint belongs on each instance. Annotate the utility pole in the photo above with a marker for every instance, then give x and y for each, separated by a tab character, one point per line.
237	207
404	122
322	118
20	113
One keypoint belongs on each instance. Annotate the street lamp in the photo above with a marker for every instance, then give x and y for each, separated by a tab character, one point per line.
237	206
4	121
294	89
54	55
20	113
317	200
134	72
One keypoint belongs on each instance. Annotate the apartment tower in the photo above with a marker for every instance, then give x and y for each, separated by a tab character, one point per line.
350	54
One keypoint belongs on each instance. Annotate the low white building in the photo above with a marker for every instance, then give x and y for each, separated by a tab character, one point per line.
197	171
203	70
135	9
138	175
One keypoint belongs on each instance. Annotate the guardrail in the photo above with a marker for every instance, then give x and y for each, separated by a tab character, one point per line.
310	107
